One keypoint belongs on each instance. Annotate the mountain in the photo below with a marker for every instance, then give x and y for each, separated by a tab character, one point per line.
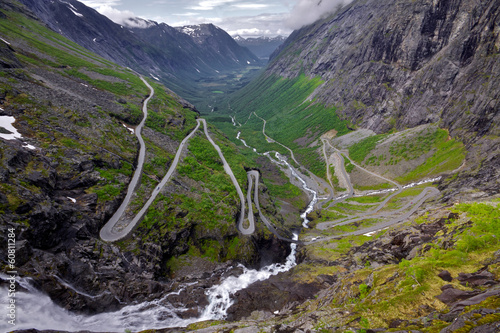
372	137
408	92
262	47
216	42
153	49
210	47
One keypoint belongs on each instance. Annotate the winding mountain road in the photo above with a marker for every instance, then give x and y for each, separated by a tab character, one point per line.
253	174
427	193
251	227
320	182
117	227
106	231
113	231
419	199
361	168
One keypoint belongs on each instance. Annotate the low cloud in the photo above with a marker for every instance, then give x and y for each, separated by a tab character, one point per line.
122	17
308	11
115	15
210	4
269	25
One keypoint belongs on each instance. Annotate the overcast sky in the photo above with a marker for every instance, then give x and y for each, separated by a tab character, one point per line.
237	17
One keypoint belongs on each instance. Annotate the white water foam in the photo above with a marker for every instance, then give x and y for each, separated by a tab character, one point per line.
314	200
220	296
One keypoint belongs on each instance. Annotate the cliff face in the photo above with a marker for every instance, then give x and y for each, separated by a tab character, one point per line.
396	63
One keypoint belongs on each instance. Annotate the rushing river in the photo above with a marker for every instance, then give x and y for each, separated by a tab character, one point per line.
36	310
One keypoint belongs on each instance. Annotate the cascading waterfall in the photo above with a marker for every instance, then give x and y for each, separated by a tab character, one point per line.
36	310
314	200
220	295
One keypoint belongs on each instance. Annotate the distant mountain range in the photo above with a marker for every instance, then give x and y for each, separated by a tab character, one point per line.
262	47
175	56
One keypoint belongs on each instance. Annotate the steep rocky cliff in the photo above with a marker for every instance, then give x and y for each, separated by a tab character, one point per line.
409	62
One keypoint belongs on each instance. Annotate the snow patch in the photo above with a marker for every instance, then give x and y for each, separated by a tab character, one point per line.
154	77
72	8
76	13
3	40
188	31
7	123
69	5
72	199
129	128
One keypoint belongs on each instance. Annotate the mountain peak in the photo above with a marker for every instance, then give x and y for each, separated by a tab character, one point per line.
198	30
238	38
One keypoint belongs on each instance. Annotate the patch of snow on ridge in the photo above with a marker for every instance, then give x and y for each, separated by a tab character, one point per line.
7	123
76	13
72	8
188	31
